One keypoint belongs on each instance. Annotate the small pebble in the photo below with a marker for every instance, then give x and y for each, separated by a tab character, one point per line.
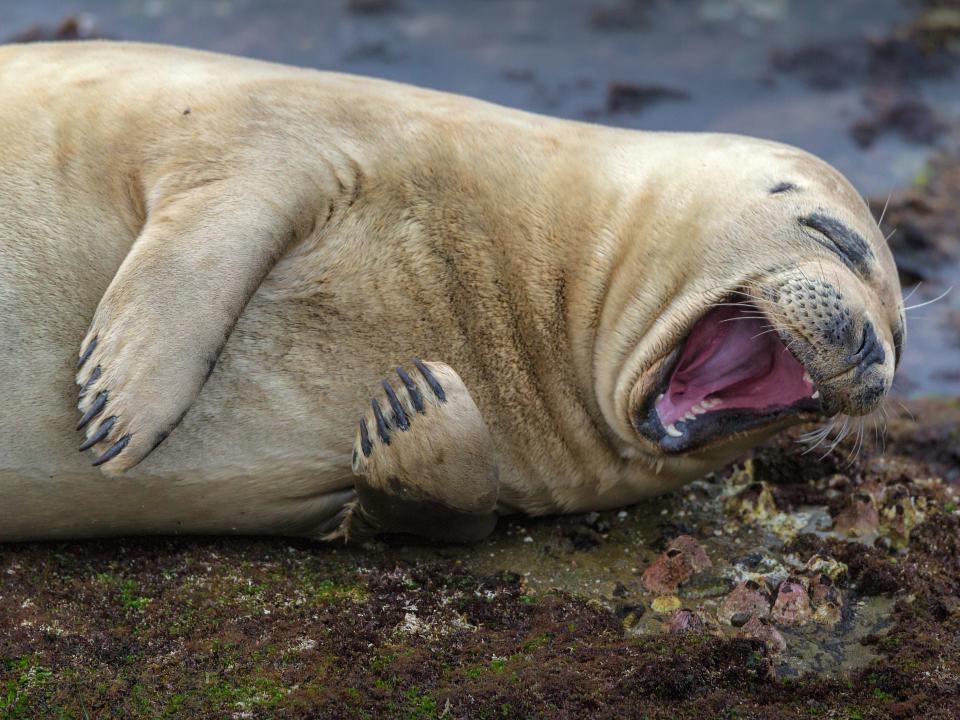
665	603
764	631
685	620
792	604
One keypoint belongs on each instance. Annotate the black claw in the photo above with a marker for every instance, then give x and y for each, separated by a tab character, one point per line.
398	411
94	376
431	380
100	434
98	402
113	451
381	422
85	355
365	443
412	390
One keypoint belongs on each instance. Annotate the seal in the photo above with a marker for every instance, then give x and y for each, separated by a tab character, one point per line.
239	264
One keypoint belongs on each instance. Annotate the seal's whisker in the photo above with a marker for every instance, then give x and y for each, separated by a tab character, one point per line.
910	294
816	432
854	453
939	297
863	434
750	317
885	206
907	411
813	434
750	306
820	435
883	430
745	305
844	430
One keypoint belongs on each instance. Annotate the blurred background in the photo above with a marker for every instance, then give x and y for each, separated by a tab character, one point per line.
869	85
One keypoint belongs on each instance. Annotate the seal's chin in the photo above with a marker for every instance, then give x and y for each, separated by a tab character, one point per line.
732	374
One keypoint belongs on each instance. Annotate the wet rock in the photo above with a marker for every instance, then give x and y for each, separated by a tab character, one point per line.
826	600
685	620
693	551
630	612
631	98
757	503
665	603
897	110
791	604
710	583
823	67
860	518
754	503
73	27
834	65
585	532
924	217
825	565
581	537
759	567
900	515
747	598
938	28
595	522
761	629
683	557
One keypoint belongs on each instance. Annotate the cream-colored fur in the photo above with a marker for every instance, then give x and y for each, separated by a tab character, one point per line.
327	228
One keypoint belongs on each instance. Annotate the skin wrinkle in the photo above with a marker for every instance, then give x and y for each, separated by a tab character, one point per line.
355	224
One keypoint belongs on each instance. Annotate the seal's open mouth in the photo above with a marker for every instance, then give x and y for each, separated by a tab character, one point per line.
733	373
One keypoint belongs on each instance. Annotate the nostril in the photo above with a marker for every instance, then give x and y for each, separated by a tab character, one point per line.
863	341
870	351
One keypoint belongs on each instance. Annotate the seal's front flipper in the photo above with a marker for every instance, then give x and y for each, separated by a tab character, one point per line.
170	308
424	461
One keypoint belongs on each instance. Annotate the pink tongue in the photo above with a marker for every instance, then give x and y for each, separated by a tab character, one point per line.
731	361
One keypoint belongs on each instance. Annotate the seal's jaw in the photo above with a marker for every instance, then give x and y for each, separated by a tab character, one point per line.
733	374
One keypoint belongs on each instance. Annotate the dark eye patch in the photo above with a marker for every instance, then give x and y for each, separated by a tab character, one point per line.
840	240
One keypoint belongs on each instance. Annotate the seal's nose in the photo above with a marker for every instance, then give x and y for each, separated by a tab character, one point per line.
870	352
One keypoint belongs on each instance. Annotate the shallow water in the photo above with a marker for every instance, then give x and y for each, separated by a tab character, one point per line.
561	56
540	549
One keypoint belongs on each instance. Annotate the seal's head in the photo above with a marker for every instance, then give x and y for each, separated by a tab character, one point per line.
781	303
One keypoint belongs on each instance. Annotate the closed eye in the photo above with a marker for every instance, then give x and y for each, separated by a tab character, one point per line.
840	240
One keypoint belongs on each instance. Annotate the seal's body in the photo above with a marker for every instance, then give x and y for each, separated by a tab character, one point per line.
240	251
